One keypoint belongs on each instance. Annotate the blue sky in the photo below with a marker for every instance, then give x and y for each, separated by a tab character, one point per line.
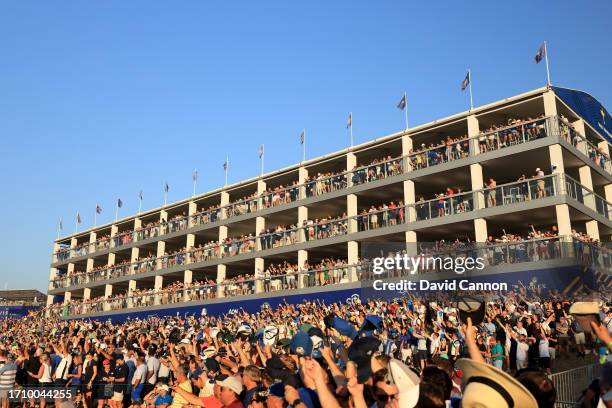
99	100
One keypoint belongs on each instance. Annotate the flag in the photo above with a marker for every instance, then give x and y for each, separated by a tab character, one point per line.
98	209
225	164
119	203
466	81
140	196
166	186
402	104
349	123
194	176
61	224
302	137
540	54
261	151
78	218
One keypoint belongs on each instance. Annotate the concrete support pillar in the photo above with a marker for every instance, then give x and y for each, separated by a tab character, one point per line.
353	258
411	243
158	286
224	202
302	178
86	294
351	163
550	103
259	273
73	244
92	242
70	268
557	166
587	181
302	260
188	276
161	251
409	200
67	297
592	229
114	231
90	265
111	259
163	219
134	257
480	230
131	289
50	300
564	223
580	143
407	147
221	270
604	147
473	132
108	292
608	192
302	217
260	225
477	179
351	212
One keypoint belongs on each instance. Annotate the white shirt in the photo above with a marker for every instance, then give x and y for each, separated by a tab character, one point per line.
521	351
140	374
153	365
63	368
543	348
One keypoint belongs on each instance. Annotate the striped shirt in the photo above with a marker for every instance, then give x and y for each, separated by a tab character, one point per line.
7	375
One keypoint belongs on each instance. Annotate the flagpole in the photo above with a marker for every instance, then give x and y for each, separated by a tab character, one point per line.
139	203
117	209
547	70
351	128
195	180
59	228
304	147
406	109
226	168
263	152
95	216
470	84
76	225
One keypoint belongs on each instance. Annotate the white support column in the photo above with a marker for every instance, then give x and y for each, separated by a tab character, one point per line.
557	166
579	128
259	273
477	179
73	244
221	271
188	277
407	147
161	251
92	242
158	285
302	178
260	222
131	289
409	200
586	180
480	229
302	260
86	294
592	229
564	223
411	242
114	232
473	132
351	163
224	201
353	258
67	297
193	208
351	212
604	147
108	293
550	103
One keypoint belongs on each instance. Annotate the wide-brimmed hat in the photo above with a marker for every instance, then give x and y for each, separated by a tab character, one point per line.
585	313
471	307
407	382
486	386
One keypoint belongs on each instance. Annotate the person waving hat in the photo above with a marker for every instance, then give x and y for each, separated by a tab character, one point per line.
487	387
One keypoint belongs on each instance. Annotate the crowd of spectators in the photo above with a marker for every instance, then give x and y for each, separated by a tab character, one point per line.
384	215
597	154
412	351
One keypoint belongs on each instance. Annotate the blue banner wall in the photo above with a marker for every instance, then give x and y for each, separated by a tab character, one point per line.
589	108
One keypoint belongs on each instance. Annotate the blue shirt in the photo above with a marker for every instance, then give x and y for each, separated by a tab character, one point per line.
160	400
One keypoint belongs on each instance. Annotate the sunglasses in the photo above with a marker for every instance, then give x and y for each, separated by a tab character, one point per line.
384	397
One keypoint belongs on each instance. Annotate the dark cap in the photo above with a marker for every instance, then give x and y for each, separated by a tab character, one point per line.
360	352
